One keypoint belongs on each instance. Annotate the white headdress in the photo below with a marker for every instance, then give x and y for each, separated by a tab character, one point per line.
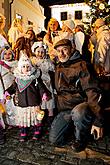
24	60
70	24
36	45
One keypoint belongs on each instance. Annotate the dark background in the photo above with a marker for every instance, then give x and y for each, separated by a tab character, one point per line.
46	3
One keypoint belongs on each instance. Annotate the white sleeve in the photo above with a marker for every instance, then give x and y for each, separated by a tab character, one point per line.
79	40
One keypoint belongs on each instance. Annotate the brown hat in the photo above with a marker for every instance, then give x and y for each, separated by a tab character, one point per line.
62	42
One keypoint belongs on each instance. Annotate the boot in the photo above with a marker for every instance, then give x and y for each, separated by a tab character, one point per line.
37	132
23	134
79	146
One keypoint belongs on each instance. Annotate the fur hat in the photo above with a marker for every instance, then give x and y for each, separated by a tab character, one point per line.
24	60
37	45
99	22
62	42
69	23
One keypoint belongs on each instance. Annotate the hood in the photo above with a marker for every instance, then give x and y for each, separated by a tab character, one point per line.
75	56
34	74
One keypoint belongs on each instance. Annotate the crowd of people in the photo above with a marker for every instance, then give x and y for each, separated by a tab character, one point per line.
59	78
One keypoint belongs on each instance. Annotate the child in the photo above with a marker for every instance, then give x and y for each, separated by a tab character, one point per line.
22	43
46	67
30	91
7	63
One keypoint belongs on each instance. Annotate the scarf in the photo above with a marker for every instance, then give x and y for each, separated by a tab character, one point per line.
22	84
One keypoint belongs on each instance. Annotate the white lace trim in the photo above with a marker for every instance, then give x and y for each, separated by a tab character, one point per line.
33	74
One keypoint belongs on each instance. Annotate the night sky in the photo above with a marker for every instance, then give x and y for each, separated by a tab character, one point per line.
46	3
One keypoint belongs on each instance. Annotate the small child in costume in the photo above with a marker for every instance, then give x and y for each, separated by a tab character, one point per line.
48	69
30	91
7	64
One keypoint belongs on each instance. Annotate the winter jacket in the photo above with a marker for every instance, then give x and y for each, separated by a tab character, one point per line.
75	85
31	95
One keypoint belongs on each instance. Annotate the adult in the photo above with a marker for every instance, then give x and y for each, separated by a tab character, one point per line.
15	31
2	25
102	48
3	38
82	42
68	26
67	30
52	31
22	43
77	98
31	35
101	63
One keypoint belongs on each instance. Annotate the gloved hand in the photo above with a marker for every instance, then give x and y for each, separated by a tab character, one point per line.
97	132
44	97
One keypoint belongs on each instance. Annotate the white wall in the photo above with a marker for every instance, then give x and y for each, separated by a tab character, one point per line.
70	9
1	9
29	12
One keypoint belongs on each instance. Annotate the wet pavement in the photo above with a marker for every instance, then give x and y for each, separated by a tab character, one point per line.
42	152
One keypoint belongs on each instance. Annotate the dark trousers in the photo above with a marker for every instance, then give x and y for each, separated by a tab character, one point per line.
61	128
81	117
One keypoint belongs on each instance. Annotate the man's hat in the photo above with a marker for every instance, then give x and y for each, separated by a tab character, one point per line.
62	42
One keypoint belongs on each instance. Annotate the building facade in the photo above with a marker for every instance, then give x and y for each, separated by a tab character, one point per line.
31	13
76	11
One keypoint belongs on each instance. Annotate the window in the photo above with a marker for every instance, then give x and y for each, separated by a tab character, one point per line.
78	14
30	23
63	16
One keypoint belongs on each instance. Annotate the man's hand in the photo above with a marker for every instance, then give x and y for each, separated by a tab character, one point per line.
97	132
44	97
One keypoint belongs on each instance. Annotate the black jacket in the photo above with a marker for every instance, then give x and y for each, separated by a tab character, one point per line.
31	96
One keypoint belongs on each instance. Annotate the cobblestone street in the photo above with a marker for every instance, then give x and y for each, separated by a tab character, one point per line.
31	152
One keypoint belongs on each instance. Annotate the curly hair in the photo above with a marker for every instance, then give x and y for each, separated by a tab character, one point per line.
22	43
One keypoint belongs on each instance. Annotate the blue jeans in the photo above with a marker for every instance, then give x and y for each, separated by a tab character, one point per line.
81	117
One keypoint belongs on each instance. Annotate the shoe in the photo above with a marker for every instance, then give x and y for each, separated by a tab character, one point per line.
22	140
78	146
35	138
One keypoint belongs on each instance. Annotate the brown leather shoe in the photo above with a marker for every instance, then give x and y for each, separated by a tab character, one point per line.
78	146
